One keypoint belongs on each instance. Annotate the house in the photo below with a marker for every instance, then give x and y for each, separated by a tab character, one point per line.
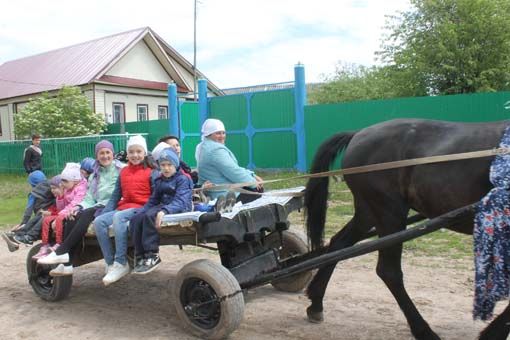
125	76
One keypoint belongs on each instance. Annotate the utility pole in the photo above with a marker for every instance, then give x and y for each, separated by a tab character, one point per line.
195	52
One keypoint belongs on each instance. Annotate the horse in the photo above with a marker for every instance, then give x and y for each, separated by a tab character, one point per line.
383	199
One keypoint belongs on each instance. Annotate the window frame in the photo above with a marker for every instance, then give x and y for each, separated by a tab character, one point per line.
123	118
138	106
166	111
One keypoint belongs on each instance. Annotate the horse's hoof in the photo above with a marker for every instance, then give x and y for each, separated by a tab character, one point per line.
314	317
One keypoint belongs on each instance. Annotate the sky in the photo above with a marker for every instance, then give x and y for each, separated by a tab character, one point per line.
239	42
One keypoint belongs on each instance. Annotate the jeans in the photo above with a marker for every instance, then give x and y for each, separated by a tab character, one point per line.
119	220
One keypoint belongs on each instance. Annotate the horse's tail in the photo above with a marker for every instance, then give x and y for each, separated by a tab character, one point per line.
316	194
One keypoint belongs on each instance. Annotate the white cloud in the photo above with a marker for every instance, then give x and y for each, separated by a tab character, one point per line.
240	42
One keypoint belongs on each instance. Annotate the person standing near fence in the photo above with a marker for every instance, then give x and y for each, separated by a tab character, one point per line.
32	155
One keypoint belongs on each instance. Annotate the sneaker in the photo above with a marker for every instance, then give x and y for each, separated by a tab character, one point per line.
25	239
151	262
62	270
45	250
220	204
55	247
139	261
53	258
230	201
115	273
11	243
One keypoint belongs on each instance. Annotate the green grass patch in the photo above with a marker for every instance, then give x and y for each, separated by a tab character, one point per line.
13	194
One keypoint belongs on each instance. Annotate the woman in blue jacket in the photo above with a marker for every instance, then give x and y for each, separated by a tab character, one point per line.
172	194
218	165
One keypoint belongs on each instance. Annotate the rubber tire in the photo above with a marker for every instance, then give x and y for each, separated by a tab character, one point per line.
294	243
223	284
56	289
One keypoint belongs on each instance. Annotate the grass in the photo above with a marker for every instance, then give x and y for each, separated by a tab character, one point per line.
13	194
444	243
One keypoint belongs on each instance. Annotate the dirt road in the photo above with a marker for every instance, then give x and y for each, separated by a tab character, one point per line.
357	304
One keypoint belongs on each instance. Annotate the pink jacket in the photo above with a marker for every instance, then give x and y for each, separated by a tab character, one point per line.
71	198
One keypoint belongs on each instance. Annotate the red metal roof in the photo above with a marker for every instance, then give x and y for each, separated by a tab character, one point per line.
131	82
74	65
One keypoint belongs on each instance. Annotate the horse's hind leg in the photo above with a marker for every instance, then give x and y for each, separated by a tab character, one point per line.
346	237
499	328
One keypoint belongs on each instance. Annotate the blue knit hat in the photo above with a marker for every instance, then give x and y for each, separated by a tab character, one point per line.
87	164
36	177
169	155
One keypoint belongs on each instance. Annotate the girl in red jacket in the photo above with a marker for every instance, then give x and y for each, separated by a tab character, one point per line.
132	191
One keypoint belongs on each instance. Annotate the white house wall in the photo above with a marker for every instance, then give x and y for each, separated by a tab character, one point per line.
130	97
140	63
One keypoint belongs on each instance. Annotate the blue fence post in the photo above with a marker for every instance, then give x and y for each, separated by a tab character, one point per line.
299	104
173	112
202	100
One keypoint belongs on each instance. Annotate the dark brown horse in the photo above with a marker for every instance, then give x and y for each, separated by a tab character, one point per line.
383	198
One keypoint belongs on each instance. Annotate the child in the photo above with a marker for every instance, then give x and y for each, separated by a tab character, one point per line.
74	190
171	195
132	190
36	178
87	167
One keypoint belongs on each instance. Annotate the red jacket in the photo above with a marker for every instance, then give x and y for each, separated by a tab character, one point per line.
135	183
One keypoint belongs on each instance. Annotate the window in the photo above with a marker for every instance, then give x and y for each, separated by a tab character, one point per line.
142	112
162	112
118	113
1	131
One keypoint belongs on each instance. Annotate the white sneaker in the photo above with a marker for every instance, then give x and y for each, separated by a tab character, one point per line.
115	273
53	258
62	270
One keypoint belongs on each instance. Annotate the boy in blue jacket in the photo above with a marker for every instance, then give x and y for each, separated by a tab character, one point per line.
172	194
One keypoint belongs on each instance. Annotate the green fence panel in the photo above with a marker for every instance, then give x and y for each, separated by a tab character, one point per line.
231	110
275	150
56	152
238	144
273	109
190	131
322	121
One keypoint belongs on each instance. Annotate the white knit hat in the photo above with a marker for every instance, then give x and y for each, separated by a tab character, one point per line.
137	140
71	172
211	126
156	152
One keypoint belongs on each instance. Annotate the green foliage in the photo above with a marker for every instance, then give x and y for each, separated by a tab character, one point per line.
67	115
451	46
357	82
437	47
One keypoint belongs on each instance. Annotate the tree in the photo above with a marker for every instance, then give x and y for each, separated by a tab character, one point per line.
66	115
451	46
357	82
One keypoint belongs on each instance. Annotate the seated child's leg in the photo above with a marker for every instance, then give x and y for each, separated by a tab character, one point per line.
101	225
150	234
45	233
135	228
59	229
120	226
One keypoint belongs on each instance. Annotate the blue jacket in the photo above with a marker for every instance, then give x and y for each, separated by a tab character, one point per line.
218	165
174	193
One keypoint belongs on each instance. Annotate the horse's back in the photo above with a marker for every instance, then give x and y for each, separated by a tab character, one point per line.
431	189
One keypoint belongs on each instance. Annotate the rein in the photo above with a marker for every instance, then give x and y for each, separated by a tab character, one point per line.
360	169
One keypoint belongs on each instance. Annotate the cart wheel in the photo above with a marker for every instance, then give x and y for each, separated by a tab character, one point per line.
294	243
44	285
208	299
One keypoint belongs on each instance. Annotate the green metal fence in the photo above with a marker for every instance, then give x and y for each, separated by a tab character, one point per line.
322	121
56	152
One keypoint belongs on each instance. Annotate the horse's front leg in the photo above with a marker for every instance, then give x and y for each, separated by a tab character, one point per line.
390	271
499	328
